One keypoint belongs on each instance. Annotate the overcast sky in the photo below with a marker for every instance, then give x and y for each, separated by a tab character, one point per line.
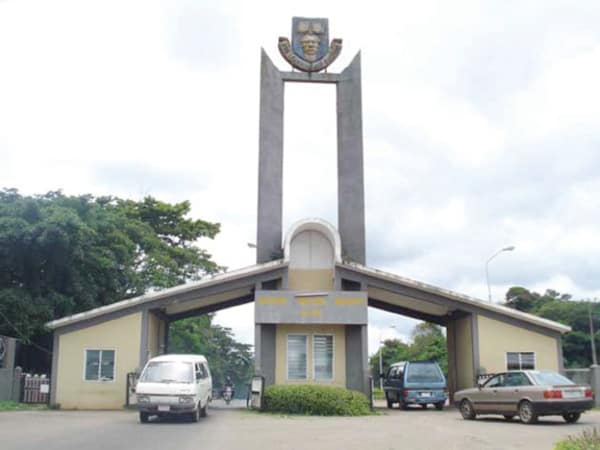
481	127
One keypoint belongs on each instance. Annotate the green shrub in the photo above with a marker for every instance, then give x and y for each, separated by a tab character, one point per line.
588	440
315	400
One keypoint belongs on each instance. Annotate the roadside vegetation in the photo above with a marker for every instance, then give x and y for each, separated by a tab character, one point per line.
14	406
587	440
61	255
315	400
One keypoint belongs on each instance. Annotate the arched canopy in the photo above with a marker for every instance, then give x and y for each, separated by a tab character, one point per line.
319	226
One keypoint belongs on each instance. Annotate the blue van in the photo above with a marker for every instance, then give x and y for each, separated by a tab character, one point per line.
415	383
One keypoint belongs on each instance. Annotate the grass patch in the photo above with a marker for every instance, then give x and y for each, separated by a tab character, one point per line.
587	440
14	406
315	401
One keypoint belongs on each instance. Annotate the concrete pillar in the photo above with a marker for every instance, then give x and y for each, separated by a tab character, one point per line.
270	171
264	351
357	364
595	383
144	339
351	193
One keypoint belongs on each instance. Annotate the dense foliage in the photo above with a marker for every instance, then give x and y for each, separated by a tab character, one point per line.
587	440
226	356
562	308
428	343
315	400
60	255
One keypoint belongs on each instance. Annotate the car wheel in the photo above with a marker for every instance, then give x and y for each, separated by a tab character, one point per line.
527	413
467	410
388	400
195	416
439	406
144	416
509	416
203	411
571	417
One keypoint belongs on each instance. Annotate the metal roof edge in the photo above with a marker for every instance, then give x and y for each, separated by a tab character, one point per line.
514	313
151	296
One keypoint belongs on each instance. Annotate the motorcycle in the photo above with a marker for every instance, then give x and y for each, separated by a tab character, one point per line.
228	394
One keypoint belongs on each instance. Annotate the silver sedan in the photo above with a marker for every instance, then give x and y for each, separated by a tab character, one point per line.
527	394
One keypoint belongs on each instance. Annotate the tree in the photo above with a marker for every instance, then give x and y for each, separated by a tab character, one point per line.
227	357
392	350
560	307
60	255
428	344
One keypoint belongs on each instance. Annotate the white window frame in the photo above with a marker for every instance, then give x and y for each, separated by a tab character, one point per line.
520	361
114	379
314	375
287	359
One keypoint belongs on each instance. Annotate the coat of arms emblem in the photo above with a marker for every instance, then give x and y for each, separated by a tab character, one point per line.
310	50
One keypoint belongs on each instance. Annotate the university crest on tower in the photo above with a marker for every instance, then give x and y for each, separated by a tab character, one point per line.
310	50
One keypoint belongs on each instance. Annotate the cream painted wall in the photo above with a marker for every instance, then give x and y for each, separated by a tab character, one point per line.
339	353
497	338
310	280
122	335
465	378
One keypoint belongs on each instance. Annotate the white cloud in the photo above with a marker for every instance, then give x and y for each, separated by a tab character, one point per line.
481	126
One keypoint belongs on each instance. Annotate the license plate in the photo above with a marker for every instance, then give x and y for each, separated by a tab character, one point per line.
572	394
164	408
425	394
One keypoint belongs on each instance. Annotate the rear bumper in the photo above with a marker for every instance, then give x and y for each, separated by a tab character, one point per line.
562	407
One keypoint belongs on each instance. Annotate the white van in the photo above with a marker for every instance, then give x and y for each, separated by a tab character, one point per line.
174	385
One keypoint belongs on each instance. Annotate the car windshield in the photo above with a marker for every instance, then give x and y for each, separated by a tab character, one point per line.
424	373
549	378
168	372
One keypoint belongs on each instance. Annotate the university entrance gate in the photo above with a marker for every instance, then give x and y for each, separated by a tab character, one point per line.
311	290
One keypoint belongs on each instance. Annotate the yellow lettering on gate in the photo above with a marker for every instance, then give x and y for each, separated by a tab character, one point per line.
272	300
305	312
312	300
349	301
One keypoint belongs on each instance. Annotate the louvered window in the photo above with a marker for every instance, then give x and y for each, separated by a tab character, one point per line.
323	357
296	356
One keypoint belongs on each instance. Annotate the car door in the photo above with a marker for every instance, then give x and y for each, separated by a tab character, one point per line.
199	379
512	392
486	399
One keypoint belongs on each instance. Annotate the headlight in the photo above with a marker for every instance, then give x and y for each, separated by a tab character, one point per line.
143	399
186	399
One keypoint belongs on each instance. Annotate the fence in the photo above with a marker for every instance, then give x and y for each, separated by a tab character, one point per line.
36	389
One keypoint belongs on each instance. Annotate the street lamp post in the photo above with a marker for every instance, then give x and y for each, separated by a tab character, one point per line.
487	272
381	359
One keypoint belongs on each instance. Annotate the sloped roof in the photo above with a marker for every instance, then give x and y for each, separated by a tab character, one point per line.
461	298
221	278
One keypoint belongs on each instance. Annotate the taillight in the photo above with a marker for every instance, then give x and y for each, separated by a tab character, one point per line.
553	394
589	393
405	393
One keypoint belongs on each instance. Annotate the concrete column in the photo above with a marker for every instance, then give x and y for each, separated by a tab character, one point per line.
451	349
357	364
270	171
144	339
54	369
595	383
264	351
351	192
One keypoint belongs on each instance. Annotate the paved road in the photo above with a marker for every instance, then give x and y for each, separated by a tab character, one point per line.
228	428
